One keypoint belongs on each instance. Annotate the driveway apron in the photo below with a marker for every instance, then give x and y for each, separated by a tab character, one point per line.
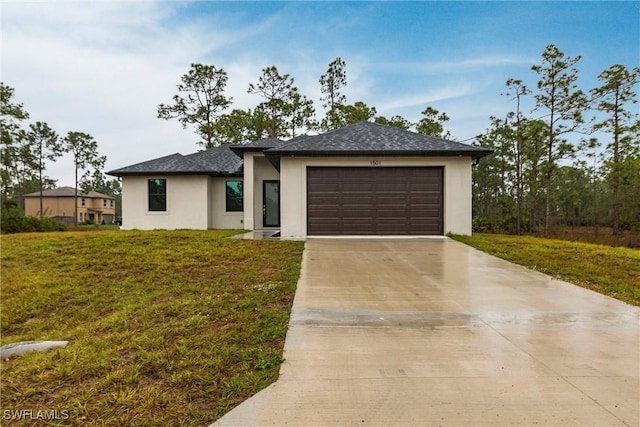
431	332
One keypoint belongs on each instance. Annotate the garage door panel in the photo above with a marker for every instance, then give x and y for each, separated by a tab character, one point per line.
425	200
355	201
357	228
392	187
397	214
357	187
419	188
356	216
424	213
324	200
391	200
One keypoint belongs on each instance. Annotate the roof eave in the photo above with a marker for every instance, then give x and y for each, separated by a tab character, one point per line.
379	153
239	150
149	173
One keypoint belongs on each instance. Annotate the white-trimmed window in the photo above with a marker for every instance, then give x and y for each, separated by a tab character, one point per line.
157	195
234	196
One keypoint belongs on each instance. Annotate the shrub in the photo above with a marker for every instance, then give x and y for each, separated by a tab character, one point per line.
13	220
481	224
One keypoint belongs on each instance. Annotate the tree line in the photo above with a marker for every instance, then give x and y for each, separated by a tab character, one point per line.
26	149
547	167
573	160
283	111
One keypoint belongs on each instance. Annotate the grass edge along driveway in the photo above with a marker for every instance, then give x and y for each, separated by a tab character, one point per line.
612	271
164	327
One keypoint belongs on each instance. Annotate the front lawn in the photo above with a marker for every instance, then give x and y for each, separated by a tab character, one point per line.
613	271
165	328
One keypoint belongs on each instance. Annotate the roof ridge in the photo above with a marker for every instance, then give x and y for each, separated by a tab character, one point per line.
64	191
294	140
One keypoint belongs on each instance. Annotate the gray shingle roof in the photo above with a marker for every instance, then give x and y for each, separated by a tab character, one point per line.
219	159
364	138
263	143
68	192
374	138
96	195
215	161
260	145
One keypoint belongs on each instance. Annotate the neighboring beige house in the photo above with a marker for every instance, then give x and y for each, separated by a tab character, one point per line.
363	179
93	207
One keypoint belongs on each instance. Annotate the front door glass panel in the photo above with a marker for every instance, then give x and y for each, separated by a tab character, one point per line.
271	203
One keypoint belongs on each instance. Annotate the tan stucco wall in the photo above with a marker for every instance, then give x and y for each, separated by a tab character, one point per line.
52	206
256	170
63	207
293	188
187	203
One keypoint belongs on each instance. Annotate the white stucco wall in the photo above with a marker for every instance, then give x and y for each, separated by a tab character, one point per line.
293	188
194	202
219	217
187	203
198	202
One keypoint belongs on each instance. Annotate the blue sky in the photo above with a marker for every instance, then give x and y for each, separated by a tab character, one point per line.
103	67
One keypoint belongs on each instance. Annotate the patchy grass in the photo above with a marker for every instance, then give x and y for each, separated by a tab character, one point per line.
164	327
613	271
94	227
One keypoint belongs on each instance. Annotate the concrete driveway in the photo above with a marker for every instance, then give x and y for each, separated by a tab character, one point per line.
430	332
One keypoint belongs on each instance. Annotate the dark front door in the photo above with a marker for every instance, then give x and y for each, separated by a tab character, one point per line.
271	203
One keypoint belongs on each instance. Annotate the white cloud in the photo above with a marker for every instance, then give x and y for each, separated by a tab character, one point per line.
464	65
103	67
428	97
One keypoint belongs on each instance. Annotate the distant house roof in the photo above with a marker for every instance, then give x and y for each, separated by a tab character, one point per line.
69	192
215	161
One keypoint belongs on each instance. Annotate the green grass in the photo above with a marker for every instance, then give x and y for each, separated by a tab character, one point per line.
612	271
164	327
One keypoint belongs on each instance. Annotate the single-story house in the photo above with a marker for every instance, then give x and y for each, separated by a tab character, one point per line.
93	207
363	179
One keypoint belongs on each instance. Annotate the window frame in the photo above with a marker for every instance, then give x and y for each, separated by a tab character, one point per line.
228	196
155	197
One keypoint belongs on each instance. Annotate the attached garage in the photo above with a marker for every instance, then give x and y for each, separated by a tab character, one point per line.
374	201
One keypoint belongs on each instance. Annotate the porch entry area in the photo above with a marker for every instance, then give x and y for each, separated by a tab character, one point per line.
271	203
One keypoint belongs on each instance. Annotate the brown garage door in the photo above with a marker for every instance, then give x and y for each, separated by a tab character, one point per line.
374	201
